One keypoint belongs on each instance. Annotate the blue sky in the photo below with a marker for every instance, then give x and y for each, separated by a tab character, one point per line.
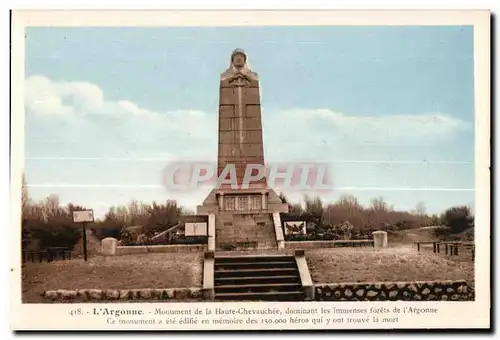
392	108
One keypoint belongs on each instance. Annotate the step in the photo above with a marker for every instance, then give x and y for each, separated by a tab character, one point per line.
254	272
254	253
255	265
258	288
268	296
254	258
235	280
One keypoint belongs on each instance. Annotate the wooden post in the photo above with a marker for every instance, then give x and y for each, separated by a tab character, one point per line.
434	247
446	248
438	247
456	250
418	246
84	240
83	216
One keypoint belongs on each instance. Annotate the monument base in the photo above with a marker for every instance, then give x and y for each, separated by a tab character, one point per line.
244	217
242	201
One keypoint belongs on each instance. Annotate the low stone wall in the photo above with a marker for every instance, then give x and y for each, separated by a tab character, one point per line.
174	248
96	295
327	244
393	291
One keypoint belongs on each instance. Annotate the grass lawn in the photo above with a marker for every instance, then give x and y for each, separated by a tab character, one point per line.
178	270
391	264
170	270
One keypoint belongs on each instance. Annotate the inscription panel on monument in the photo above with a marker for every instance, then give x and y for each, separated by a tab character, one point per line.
243	203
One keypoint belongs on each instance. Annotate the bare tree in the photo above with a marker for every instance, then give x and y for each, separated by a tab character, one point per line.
378	204
421	209
348	201
24	198
138	213
283	198
314	205
295	208
163	216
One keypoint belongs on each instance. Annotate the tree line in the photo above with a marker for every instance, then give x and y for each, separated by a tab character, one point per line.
46	223
379	215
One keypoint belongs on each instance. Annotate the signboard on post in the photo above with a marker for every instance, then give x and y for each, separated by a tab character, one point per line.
195	229
83	216
295	227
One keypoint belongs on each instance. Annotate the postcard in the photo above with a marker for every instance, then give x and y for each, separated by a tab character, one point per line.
250	170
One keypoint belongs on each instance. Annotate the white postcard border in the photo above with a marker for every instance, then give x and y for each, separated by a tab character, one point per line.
451	314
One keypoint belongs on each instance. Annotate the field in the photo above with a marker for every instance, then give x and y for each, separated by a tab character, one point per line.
173	270
177	270
401	263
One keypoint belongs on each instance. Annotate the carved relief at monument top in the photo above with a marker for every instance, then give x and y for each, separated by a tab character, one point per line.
239	72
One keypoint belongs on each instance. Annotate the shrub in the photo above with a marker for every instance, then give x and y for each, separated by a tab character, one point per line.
58	231
458	219
105	232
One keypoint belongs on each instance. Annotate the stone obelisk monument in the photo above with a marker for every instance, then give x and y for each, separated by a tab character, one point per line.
245	214
240	123
240	142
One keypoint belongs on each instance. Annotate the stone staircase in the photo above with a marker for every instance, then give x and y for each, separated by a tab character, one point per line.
244	231
257	278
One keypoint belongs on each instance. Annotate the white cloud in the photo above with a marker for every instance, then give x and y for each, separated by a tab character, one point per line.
329	124
81	108
132	108
45	97
42	98
74	119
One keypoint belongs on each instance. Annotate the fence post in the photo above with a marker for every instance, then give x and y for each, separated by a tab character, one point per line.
434	248
418	246
438	247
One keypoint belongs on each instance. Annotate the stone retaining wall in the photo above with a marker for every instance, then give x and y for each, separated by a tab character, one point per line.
407	291
96	295
382	291
327	244
174	248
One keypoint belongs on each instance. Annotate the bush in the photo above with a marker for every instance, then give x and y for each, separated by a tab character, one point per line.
109	232
57	232
458	219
